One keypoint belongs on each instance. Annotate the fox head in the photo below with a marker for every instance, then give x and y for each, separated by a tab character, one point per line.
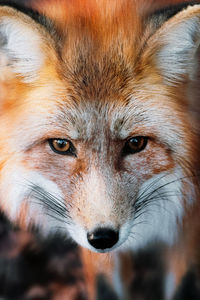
96	138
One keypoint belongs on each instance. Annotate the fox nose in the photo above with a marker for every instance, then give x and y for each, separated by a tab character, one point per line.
103	238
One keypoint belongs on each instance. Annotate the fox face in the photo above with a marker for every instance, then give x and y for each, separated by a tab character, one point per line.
96	138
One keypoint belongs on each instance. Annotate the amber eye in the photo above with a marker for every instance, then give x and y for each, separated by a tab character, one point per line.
62	146
135	144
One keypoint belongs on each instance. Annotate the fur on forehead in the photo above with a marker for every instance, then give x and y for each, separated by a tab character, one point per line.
100	57
121	120
92	11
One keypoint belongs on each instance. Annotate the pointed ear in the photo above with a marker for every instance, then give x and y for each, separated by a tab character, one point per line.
22	44
176	46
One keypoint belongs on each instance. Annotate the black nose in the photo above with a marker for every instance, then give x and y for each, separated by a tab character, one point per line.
103	238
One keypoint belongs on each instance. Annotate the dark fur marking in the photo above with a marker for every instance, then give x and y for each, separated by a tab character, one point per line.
170	11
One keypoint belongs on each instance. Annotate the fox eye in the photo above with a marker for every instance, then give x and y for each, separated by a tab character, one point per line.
62	146
135	144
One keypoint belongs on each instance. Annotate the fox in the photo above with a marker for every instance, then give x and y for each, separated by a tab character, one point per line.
98	135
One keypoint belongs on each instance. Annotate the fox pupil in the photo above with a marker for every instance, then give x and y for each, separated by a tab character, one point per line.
61	144
135	144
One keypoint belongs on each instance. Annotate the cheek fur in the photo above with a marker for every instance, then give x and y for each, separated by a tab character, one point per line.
22	205
154	159
159	202
137	211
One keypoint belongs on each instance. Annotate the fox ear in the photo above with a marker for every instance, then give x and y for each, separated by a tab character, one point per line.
21	44
176	46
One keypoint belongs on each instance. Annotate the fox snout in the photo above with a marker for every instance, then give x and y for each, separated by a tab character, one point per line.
119	212
98	211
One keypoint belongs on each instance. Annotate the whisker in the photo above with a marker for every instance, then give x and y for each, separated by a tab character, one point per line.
55	206
58	219
165	184
152	184
144	199
163	196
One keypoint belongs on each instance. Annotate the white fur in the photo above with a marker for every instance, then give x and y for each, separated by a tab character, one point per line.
22	48
79	234
177	57
158	221
17	190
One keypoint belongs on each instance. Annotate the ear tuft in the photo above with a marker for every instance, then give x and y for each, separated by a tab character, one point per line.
177	43
20	44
